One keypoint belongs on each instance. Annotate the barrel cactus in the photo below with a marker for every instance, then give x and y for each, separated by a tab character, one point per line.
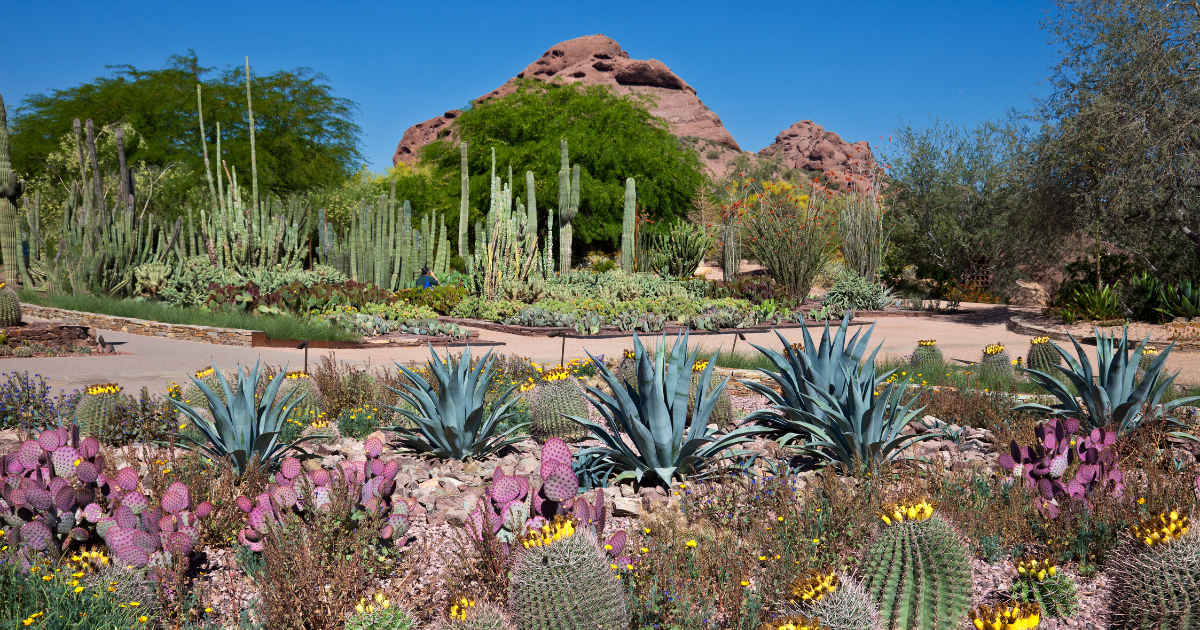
839	601
1043	356
722	414
918	570
627	369
562	580
210	377
1155	575
1149	354
927	358
98	404
307	411
10	306
378	613
555	398
793	622
995	365
1006	616
464	613
1040	582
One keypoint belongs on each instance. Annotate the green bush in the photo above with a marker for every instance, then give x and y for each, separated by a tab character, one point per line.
853	292
441	299
359	422
55	602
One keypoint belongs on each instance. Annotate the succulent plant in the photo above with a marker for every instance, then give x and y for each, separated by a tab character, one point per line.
667	441
1109	396
378	613
10	306
928	357
562	580
465	613
457	420
995	365
554	401
849	607
370	483
93	411
1042	355
1000	616
1154	575
918	570
245	424
1040	582
722	414
1044	465
143	531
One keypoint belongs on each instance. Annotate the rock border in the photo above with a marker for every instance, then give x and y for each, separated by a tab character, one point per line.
184	332
609	333
1017	324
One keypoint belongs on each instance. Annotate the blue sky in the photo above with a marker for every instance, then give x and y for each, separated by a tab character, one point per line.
858	69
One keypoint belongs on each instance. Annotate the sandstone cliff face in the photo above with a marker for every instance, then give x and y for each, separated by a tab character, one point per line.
808	146
596	60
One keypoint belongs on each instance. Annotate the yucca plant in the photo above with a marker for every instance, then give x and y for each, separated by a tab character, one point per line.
453	421
244	425
807	370
666	441
1114	398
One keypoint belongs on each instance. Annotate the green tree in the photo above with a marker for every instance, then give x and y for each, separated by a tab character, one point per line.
306	136
1120	158
610	137
965	209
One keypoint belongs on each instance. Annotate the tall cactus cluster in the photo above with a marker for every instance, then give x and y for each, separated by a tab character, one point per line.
506	247
381	245
562	580
918	570
1155	576
555	398
568	207
628	225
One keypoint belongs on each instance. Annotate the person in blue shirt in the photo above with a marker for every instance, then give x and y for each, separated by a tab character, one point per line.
427	280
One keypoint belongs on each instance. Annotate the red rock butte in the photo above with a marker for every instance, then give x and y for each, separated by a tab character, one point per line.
598	60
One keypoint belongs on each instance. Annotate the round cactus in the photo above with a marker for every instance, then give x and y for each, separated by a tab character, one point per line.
927	359
1155	585
306	409
849	607
96	408
10	306
374	616
995	365
627	370
1040	582
722	414
465	614
550	405
563	581
1043	356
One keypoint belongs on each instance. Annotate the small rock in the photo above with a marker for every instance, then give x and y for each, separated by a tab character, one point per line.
429	483
435	518
626	506
457	518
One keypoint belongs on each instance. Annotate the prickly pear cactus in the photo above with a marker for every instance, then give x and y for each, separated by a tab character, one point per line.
96	407
10	306
1043	356
722	414
995	364
1040	582
918	570
928	358
463	613
1155	576
562	580
558	396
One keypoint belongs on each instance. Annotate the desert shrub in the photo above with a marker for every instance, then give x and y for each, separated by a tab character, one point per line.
788	230
442	298
343	386
853	292
26	402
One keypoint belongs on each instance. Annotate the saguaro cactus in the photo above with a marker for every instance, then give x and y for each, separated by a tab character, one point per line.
464	202
568	207
11	190
530	209
627	225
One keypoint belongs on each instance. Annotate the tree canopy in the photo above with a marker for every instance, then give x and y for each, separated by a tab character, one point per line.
306	136
610	137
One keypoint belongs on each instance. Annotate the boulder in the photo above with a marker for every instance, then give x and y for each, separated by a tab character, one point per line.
808	146
1030	294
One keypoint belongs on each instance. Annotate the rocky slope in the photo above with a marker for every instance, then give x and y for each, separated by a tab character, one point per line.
808	146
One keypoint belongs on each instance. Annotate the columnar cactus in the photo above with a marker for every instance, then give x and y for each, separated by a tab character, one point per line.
11	189
1040	582
464	202
568	207
1155	576
10	306
555	398
995	364
93	411
628	225
1043	356
918	570
562	580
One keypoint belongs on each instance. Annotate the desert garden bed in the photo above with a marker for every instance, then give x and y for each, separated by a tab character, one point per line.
1184	334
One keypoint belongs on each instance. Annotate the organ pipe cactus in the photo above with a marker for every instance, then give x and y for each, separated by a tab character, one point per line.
11	189
464	200
1109	396
370	485
454	421
628	225
244	425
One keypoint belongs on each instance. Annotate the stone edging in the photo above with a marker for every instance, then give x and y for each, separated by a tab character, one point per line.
185	332
1018	325
607	333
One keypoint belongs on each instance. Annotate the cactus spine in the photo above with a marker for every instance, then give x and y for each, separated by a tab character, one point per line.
568	207
11	189
1156	585
627	226
566	585
918	571
847	608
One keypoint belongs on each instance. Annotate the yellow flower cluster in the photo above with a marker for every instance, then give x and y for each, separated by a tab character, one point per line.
296	374
1167	527
320	421
792	623
561	527
815	586
798	346
28	621
1037	569
557	373
1149	351
106	388
927	342
995	348
174	391
90	560
1037	341
1005	617
457	610
527	385
629	354
367	606
699	366
900	512
208	371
